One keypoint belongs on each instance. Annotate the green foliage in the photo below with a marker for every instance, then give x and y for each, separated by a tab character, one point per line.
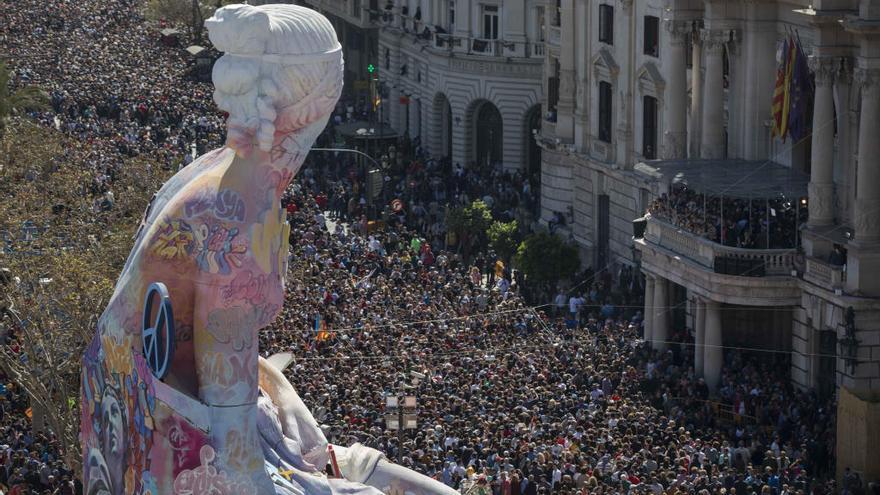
473	219
27	98
504	238
547	258
66	269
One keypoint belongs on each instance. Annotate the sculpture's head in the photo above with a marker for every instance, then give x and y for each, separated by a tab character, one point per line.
281	73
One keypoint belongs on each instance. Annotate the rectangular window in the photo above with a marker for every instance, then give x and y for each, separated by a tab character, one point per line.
606	24
355	9
490	22
652	36
605	112
451	15
649	127
539	20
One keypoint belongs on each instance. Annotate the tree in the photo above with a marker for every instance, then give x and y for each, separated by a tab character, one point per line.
63	258
469	223
547	258
504	238
12	102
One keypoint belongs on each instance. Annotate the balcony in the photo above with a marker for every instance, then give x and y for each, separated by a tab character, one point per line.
723	260
536	50
825	274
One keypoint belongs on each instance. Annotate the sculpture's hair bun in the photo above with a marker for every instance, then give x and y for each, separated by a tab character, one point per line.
280	59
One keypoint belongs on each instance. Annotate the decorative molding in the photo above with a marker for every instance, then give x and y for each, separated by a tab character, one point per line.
715	39
844	71
867	221
821	202
678	31
650	80
824	69
867	79
605	65
489	67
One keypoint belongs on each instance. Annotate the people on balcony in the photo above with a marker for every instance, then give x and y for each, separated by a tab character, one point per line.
733	222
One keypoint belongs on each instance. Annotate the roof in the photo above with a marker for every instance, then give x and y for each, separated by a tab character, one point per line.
746	179
169	32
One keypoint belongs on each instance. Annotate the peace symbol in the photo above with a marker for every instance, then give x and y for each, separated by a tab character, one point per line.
158	335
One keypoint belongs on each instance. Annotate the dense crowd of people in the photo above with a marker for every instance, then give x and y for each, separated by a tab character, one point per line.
513	398
752	224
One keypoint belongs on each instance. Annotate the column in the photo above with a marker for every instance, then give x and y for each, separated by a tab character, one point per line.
699	335
821	186
649	308
867	217
696	95
675	145
713	354
660	330
712	130
567	82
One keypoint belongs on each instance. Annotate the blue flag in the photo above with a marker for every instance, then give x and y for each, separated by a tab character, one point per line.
800	115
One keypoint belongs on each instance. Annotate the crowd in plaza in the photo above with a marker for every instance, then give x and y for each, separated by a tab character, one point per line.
746	223
515	400
563	397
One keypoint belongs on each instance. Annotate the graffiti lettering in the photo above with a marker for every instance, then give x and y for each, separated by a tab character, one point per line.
208	479
229	206
220	369
198	205
245	286
232	326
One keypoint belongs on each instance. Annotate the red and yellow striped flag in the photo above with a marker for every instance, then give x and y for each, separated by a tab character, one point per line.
782	91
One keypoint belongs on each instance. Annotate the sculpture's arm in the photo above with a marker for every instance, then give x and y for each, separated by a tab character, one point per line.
296	420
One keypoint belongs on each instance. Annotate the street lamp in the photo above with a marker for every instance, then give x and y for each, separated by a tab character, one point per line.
401	415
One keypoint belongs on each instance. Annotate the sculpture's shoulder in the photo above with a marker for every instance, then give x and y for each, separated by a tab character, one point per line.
194	222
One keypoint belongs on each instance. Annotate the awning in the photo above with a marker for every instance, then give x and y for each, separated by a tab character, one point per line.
169	32
366	130
744	179
195	50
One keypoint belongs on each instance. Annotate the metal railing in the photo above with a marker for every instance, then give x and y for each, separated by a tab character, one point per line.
719	258
450	42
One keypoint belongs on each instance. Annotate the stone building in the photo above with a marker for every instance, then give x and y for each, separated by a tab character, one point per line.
465	77
648	98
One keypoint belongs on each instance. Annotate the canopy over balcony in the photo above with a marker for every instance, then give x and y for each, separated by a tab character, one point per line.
742	179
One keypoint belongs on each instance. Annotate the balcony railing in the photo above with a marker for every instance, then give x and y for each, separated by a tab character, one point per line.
718	258
469	45
537	50
824	274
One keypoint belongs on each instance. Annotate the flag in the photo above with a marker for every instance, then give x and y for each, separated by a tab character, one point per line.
320	329
800	111
779	122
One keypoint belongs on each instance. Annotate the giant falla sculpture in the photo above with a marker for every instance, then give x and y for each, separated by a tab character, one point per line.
176	399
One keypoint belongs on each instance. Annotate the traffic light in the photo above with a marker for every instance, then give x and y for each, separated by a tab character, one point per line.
371	68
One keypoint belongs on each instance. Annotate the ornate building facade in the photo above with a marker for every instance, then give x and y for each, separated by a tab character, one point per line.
465	77
650	98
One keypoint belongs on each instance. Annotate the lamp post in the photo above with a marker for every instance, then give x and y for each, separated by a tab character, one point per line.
373	175
401	414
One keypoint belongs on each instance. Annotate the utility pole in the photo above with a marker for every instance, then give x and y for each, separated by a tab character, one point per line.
196	22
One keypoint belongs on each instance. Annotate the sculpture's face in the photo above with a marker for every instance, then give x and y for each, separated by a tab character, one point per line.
112	436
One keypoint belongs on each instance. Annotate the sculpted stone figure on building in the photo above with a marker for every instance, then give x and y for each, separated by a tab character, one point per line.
176	398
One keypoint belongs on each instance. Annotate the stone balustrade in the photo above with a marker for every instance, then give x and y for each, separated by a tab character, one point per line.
824	274
721	259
